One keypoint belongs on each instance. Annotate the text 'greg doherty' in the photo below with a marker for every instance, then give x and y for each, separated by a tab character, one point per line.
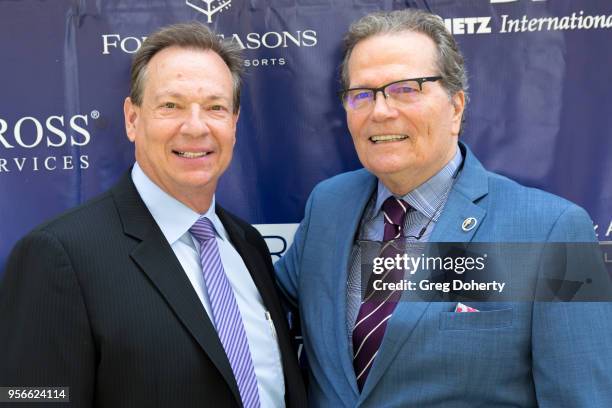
411	264
426	285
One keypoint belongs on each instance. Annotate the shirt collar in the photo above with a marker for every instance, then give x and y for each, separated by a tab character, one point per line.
173	217
427	197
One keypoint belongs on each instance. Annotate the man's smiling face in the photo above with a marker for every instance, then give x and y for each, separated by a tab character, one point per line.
403	145
185	128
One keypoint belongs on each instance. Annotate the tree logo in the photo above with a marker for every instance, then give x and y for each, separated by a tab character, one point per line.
209	7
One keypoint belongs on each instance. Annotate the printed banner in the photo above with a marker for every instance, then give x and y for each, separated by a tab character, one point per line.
539	111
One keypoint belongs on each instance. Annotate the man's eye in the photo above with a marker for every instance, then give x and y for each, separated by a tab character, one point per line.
169	105
217	107
361	95
403	89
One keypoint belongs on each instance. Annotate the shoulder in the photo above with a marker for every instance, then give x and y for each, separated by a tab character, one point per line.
342	188
498	191
514	194
92	214
341	193
345	183
101	217
57	243
536	209
517	212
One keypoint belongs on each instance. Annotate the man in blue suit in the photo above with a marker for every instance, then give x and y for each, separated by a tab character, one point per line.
405	93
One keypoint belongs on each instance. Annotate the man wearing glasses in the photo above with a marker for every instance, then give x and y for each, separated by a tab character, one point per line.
404	94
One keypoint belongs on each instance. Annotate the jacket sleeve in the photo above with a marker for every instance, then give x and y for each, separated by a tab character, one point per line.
45	336
572	341
288	267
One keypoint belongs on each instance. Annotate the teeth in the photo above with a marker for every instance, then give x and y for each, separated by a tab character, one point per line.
191	155
387	138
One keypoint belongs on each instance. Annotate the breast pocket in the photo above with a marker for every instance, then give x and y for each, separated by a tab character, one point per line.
483	320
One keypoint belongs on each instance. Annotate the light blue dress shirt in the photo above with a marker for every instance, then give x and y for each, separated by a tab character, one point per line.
427	200
174	219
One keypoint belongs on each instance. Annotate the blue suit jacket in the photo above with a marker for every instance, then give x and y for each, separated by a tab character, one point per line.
518	354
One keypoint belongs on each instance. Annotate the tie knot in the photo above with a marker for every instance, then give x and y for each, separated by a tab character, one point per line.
203	230
395	210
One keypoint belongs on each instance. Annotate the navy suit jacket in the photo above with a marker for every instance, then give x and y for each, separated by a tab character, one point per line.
96	300
510	354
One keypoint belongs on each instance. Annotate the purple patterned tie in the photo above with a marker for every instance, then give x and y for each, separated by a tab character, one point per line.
225	312
376	309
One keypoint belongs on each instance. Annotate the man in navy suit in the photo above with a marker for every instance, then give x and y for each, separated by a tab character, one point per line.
404	95
152	295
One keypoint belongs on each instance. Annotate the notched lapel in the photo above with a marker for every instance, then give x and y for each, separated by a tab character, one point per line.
462	217
156	259
459	222
347	226
158	262
251	258
261	273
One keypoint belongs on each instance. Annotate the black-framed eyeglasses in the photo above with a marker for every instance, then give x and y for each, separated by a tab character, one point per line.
401	92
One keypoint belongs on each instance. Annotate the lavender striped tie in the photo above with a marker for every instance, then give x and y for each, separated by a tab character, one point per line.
226	314
376	309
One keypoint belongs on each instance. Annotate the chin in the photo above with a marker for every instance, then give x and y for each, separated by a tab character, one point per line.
193	180
200	183
387	169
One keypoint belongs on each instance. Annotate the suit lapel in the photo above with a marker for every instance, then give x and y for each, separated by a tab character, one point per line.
157	260
470	186
261	273
347	226
252	259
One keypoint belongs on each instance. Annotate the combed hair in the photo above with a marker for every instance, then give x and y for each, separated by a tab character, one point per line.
449	62
187	35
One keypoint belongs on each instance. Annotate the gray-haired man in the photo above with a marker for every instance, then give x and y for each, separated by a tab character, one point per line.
404	95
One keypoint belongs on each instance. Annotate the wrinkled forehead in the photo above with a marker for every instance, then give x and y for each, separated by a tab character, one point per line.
178	66
409	51
178	60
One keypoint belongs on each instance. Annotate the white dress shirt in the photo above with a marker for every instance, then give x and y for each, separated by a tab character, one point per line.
174	219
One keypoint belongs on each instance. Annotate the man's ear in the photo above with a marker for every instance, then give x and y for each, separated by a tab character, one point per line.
458	101
131	113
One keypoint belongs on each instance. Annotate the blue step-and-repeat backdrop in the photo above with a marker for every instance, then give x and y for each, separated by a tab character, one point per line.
540	75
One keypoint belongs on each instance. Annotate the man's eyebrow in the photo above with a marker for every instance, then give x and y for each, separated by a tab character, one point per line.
178	95
166	94
217	97
360	86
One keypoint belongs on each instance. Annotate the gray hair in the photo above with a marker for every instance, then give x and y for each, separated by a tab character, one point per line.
449	61
187	35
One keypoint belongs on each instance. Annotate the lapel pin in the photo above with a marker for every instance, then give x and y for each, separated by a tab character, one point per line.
468	224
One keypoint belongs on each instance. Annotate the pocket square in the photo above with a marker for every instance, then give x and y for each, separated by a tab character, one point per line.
461	308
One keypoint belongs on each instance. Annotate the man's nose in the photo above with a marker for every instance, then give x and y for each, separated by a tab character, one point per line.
195	122
382	109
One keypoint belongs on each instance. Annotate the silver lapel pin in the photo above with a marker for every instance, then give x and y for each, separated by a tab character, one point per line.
468	224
